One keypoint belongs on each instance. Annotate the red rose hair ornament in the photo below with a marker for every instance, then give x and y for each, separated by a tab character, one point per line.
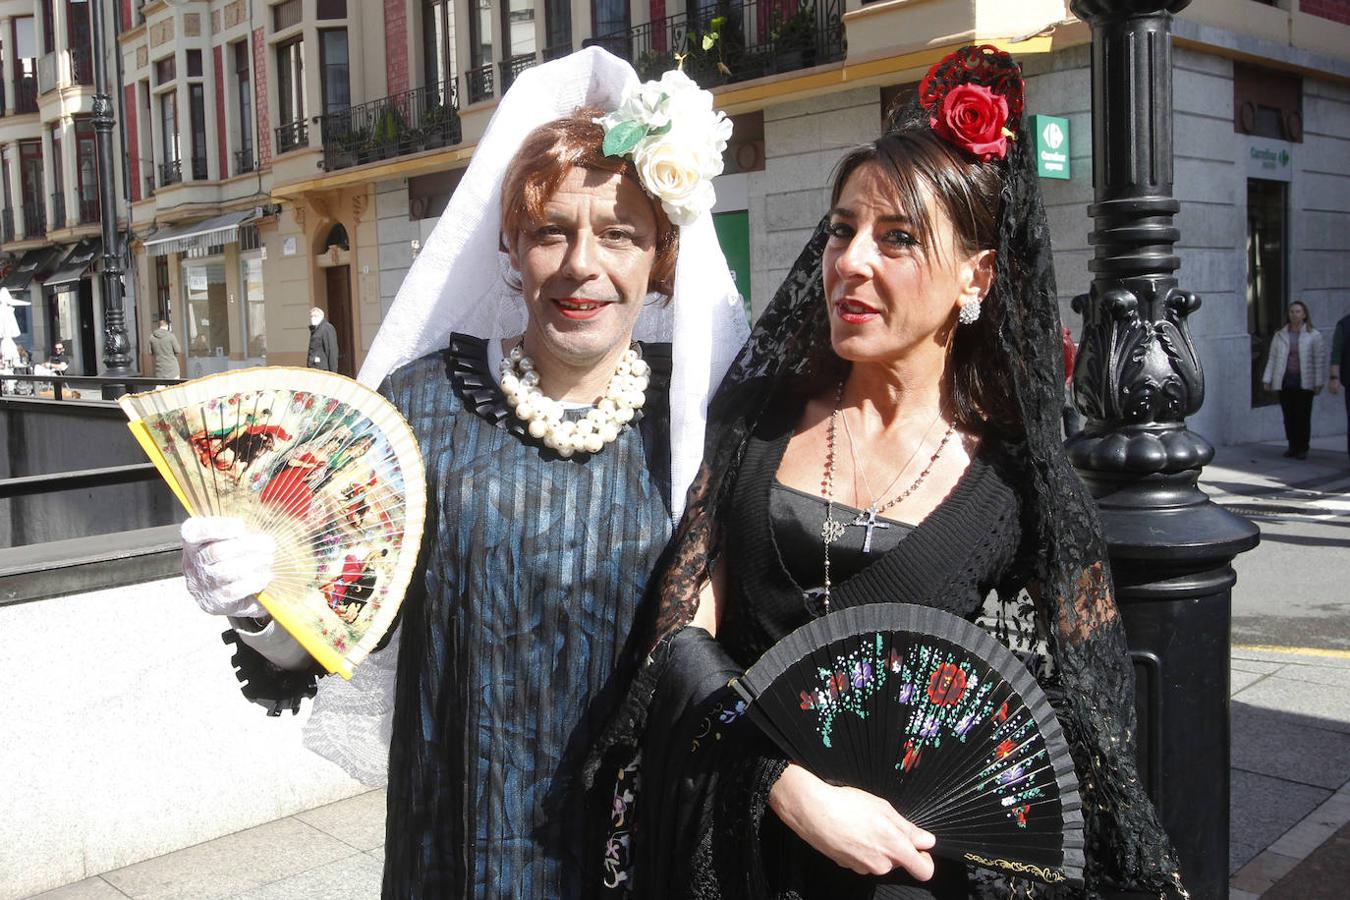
972	97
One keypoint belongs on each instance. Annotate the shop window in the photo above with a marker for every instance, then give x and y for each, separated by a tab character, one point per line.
1267	272
255	321
163	293
208	311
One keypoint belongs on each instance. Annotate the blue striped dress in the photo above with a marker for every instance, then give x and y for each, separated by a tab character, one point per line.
513	634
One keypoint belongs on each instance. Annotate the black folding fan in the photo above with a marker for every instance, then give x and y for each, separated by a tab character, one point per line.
927	710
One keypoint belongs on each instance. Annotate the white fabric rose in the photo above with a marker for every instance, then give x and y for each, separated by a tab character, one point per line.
675	174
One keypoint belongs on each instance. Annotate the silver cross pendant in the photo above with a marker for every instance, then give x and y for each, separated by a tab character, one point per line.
868	519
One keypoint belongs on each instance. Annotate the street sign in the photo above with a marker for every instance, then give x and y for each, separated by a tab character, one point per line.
1050	140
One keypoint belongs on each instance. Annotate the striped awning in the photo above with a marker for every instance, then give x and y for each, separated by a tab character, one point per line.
76	265
223	229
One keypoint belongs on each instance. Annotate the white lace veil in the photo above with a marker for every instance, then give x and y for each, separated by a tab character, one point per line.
458	284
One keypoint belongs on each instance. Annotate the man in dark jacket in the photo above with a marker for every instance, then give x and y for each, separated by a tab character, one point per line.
1340	352
323	344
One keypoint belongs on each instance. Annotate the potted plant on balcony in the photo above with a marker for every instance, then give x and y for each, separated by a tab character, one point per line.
652	63
389	130
435	129
794	39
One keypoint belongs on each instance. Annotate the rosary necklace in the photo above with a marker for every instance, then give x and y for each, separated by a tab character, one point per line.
832	529
543	416
868	517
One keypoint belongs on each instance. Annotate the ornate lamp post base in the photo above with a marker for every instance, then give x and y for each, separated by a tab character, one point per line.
1137	378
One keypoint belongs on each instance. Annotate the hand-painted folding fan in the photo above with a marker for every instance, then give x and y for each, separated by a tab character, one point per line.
927	710
321	463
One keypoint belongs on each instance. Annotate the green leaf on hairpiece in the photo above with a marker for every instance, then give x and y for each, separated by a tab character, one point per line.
657	132
622	138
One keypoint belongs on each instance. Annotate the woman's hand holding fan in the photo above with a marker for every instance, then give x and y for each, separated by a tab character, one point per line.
857	830
226	566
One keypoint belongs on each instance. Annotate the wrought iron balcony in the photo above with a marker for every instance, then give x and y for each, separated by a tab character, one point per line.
25	95
410	122
6	225
34	221
292	136
557	51
244	161
58	210
753	39
513	66
81	65
170	172
478	83
90	208
199	172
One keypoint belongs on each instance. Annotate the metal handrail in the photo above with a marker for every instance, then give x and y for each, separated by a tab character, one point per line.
6	225
25	94
80	479
755	38
292	136
244	161
34	221
478	83
514	65
59	381
90	208
170	172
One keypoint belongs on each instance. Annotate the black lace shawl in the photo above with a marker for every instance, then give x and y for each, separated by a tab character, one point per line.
1068	610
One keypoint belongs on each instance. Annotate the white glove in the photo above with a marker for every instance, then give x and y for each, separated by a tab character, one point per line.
226	566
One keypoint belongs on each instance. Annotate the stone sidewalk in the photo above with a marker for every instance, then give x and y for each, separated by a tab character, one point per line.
1290	831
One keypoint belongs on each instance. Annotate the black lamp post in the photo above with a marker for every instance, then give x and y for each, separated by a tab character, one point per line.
1137	379
116	347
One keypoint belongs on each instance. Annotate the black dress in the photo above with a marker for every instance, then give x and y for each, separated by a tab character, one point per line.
702	826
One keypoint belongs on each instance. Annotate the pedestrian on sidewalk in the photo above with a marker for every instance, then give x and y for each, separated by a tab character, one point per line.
1338	342
323	342
164	351
1298	360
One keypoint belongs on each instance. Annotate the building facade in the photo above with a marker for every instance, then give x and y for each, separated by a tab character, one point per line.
298	153
50	210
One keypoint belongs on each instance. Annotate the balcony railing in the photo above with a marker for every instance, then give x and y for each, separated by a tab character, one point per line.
410	122
58	210
557	51
244	162
25	95
6	225
90	210
34	221
514	65
81	65
754	39
170	172
199	168
478	83
149	185
292	136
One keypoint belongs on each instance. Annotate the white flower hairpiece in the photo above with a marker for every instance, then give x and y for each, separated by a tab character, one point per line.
675	138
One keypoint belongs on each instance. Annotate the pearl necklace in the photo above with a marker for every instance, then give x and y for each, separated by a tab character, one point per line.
543	416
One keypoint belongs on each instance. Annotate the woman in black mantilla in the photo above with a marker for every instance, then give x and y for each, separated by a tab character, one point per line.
889	433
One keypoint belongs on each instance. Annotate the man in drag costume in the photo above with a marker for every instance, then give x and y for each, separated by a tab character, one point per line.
921	320
553	349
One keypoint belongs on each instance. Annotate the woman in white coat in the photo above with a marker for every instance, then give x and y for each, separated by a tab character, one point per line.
1297	368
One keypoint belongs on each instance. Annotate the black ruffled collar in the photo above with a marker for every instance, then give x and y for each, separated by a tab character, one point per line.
469	368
